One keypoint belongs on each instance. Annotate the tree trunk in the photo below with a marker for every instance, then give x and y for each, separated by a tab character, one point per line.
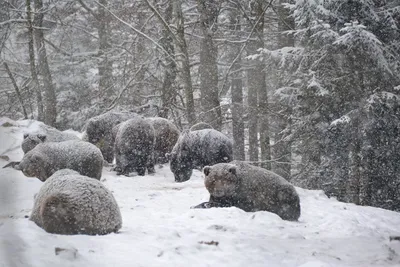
184	58
237	91
257	95
21	101
210	105
167	91
353	184
50	110
35	80
282	151
105	65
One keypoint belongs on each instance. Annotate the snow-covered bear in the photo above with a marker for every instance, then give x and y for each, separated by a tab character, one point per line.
134	146
49	157
200	126
99	131
45	134
69	203
166	134
196	149
250	188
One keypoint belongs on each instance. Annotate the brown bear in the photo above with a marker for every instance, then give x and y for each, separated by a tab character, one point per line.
49	157
98	131
196	149
134	146
45	134
200	126
250	188
69	204
166	134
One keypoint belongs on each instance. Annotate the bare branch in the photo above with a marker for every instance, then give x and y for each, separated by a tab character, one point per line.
88	9
161	19
138	31
244	45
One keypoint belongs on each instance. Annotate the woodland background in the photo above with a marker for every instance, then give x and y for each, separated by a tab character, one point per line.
308	89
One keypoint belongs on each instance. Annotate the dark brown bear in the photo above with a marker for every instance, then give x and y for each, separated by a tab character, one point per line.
250	188
201	126
99	131
196	149
69	203
134	147
49	157
166	134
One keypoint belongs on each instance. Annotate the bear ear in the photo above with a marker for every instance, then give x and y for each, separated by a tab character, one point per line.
232	170
207	170
26	135
42	137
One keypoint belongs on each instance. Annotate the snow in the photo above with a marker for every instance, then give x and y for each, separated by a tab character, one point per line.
342	120
160	229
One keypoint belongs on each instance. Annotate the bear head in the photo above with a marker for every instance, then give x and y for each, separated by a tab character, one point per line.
180	159
31	141
221	179
34	165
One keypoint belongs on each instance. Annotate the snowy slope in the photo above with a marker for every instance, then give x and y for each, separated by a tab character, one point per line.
160	229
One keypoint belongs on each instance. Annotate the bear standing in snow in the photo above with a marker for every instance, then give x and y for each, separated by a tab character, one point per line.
134	146
250	188
196	149
49	157
201	126
69	204
166	134
99	131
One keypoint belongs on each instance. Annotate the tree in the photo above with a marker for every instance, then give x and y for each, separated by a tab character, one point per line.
210	105
281	108
236	77
32	63
257	89
184	59
50	101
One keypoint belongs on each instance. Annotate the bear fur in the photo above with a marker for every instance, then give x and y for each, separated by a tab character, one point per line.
250	188
45	134
49	157
166	134
99	131
200	126
196	149
69	204
134	147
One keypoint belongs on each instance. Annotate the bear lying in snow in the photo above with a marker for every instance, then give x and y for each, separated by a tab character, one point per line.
46	134
99	131
250	188
196	149
69	204
134	146
49	157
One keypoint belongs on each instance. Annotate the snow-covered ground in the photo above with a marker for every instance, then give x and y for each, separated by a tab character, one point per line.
160	229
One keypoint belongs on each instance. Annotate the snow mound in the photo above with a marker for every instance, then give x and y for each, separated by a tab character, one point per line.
160	229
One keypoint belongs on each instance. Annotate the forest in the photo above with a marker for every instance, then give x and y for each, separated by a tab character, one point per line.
307	89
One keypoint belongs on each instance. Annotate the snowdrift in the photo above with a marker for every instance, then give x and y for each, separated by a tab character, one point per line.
160	229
